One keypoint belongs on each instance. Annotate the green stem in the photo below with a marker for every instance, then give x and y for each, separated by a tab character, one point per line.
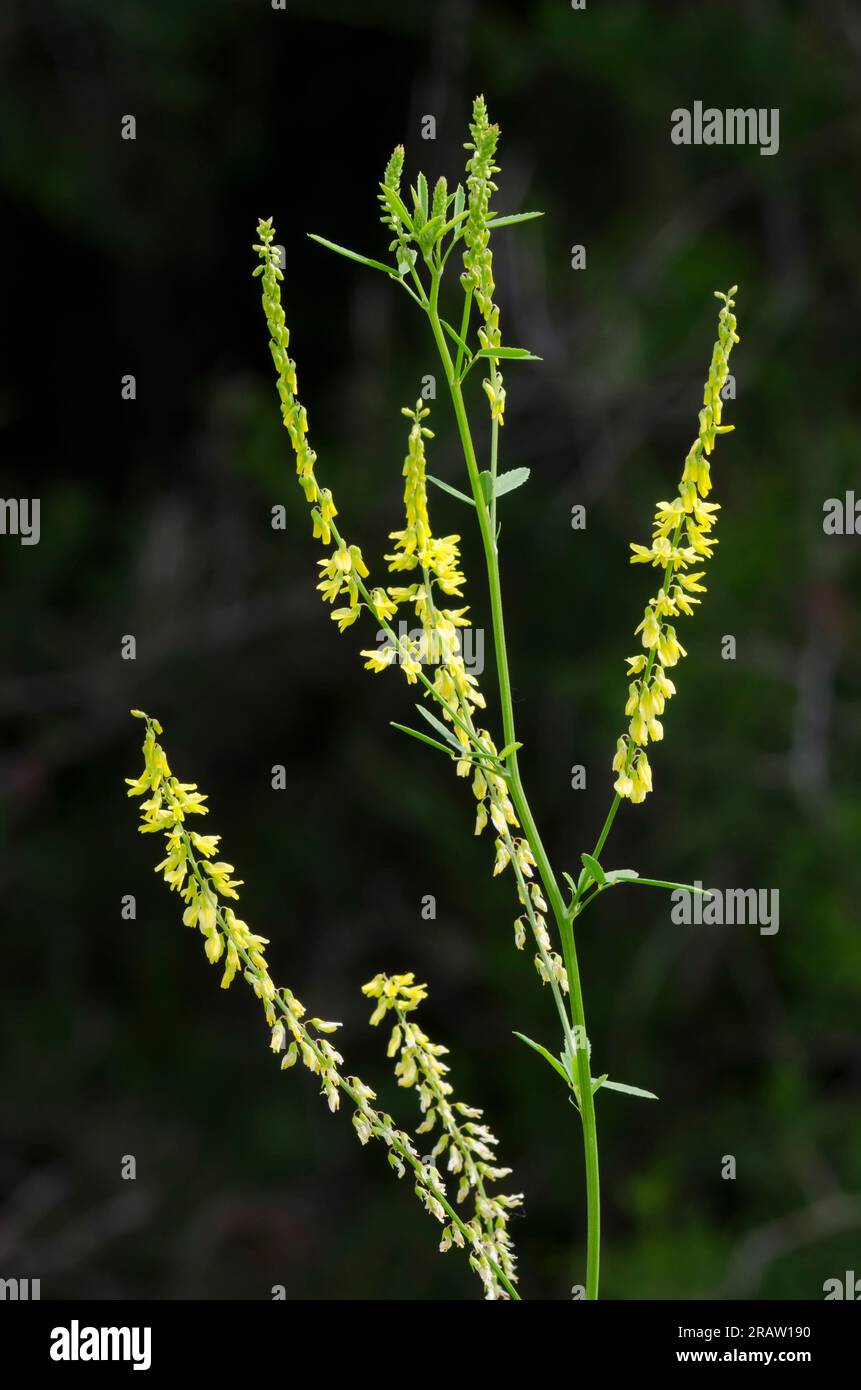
608	825
464	328
521	805
494	456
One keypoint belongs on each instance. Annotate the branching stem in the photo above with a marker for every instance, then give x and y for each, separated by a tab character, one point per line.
486	520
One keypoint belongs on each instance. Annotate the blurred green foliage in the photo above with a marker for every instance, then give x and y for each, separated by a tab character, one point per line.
135	257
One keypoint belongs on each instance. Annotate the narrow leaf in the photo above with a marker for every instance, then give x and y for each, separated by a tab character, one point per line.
453	221
447	487
423	738
517	354
456	336
439	726
509	748
629	1090
620	875
664	883
422	185
397	206
542	1052
507	482
486	484
354	256
512	218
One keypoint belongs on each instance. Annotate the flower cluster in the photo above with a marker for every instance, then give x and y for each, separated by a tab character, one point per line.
389	197
433	562
681	540
424	225
468	1145
548	963
204	883
438	559
343	571
477	256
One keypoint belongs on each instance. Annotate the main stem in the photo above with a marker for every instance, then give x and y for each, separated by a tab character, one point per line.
521	806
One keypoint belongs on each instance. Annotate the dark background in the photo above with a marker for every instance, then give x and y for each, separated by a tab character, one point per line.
136	258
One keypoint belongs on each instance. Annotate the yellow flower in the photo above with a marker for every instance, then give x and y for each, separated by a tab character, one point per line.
680	538
231	966
379	660
650	628
496	396
383	606
410	667
669	647
322	530
503	857
206	844
344	617
214	947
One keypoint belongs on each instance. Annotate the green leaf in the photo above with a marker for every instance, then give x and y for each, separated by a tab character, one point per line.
509	748
516	354
447	487
598	1082
542	1052
459	200
439	726
512	218
507	482
354	256
627	1090
612	876
486	484
396	206
423	738
594	869
664	883
569	880
452	222
456	336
